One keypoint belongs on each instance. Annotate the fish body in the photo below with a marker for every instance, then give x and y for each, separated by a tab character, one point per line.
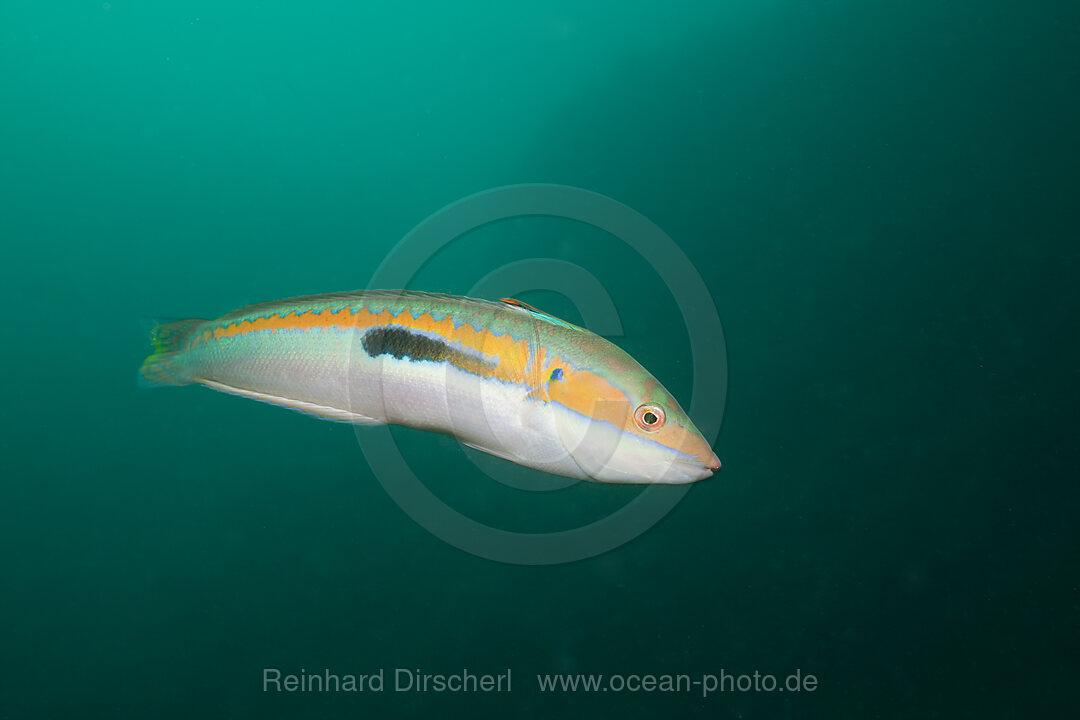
501	376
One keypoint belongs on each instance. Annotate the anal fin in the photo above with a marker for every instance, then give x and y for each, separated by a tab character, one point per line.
323	411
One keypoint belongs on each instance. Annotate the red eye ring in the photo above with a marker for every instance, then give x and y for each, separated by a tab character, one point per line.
649	417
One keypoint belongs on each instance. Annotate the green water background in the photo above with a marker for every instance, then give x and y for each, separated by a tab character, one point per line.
881	197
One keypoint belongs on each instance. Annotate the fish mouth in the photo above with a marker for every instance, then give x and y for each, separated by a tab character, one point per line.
691	470
709	462
706	461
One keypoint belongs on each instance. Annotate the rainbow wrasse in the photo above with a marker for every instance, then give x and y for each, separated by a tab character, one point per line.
501	377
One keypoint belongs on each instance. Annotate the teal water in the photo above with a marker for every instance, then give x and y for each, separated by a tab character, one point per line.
879	196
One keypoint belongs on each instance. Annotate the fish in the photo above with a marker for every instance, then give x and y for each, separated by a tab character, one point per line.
499	376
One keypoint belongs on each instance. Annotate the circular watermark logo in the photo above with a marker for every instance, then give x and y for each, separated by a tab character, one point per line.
698	311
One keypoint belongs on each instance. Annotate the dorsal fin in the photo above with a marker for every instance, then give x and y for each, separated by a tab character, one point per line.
514	302
357	296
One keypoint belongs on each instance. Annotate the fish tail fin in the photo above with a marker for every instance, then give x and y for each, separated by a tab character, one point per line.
170	339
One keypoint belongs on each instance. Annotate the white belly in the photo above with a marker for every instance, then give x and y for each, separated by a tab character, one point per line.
337	380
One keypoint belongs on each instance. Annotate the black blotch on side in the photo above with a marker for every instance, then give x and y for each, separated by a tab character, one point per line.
400	342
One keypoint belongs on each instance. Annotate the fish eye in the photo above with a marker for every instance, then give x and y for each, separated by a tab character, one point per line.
649	417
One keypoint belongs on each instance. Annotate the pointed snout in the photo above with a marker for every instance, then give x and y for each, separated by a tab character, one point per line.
692	469
705	464
710	461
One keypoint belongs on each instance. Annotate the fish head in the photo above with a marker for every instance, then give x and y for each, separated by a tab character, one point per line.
619	424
